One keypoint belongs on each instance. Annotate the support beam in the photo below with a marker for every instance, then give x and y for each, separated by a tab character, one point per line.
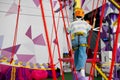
102	74
78	3
115	4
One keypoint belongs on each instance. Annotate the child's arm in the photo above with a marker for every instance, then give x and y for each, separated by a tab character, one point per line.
94	23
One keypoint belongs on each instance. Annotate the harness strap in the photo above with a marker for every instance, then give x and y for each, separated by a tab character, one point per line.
77	34
83	45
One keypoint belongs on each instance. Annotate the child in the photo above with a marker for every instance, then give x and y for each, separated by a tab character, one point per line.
79	30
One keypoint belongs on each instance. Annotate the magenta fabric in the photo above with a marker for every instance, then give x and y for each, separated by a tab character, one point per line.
39	74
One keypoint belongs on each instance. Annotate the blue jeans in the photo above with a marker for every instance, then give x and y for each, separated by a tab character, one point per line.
80	55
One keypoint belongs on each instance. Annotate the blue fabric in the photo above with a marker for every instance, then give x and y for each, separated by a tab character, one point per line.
80	55
82	40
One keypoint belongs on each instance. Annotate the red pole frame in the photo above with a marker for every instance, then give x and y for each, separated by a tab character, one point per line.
48	41
56	35
15	34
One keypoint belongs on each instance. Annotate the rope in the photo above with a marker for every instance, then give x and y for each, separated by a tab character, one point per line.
56	35
48	42
114	48
15	34
98	38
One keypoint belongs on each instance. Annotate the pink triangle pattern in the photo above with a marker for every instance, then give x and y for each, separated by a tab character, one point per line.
33	59
36	2
39	40
12	9
54	3
24	57
86	8
55	41
6	53
103	49
29	33
9	49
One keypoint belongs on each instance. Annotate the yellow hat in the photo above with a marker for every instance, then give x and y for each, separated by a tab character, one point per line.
79	12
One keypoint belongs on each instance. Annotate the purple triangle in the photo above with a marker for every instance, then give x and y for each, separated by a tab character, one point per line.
103	49
39	40
6	53
112	6
118	51
105	28
36	2
1	41
55	41
9	49
28	33
118	55
82	2
24	57
86	8
33	59
54	3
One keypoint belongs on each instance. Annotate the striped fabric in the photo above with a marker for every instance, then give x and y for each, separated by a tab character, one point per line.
79	26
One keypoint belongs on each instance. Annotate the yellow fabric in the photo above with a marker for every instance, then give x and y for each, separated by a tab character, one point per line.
115	23
78	3
72	36
77	34
84	45
80	33
5	60
13	73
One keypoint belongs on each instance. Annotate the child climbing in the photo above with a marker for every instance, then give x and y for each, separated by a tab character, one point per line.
79	31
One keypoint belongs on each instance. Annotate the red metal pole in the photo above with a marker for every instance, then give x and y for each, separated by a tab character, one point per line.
48	42
15	34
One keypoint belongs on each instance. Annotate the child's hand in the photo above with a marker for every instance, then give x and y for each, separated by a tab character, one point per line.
94	19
